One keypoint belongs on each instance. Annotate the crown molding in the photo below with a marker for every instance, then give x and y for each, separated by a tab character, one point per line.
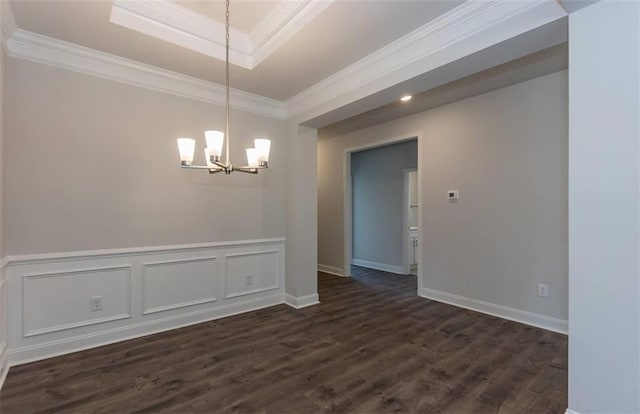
7	23
287	19
168	21
475	24
53	52
465	23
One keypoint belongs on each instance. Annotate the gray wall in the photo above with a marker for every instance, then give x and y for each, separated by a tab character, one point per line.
3	285
604	228
506	152
93	164
378	201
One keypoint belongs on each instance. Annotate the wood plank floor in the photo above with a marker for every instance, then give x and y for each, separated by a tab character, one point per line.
371	346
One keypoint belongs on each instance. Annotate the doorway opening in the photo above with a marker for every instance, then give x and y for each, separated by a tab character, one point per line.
377	216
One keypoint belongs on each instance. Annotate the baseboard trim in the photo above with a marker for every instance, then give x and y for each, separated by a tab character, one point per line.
504	312
378	266
51	349
299	302
336	271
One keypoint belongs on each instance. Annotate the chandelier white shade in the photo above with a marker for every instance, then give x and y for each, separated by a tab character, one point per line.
257	157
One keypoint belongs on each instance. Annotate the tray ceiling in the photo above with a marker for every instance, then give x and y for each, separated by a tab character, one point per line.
306	41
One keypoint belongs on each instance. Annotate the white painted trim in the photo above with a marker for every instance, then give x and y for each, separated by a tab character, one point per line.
568	411
57	53
347	197
173	23
301	301
468	22
250	291
504	312
88	322
4	262
336	271
143	279
378	266
406	266
279	26
38	352
181	26
96	254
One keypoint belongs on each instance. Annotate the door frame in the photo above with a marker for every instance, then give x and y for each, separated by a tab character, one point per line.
347	198
406	268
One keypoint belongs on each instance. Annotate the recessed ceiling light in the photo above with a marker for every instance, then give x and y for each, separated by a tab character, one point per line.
406	98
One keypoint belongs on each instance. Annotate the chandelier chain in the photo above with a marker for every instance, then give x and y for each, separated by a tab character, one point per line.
227	78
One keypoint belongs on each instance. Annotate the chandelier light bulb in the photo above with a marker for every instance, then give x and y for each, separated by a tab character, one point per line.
252	157
263	146
215	141
186	148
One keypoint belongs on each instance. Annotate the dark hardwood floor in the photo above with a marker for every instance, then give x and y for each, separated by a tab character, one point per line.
371	346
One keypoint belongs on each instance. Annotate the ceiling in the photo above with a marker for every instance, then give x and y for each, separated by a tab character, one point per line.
307	45
246	13
544	62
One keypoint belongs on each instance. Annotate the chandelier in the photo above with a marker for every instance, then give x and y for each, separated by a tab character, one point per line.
257	157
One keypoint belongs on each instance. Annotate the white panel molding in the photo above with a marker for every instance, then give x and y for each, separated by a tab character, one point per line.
4	360
145	288
124	315
336	271
26	354
568	411
255	290
181	26
133	251
299	302
378	266
504	312
169	308
57	53
467	24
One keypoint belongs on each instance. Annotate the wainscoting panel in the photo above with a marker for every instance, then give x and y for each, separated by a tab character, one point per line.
249	273
178	284
57	301
4	360
142	290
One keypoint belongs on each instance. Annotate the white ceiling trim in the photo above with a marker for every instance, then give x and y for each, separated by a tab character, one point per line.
49	51
281	24
454	27
168	21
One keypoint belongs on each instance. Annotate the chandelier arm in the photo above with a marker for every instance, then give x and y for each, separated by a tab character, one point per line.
221	164
196	167
248	170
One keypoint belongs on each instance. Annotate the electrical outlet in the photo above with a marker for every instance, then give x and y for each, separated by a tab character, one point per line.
543	290
249	280
96	303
